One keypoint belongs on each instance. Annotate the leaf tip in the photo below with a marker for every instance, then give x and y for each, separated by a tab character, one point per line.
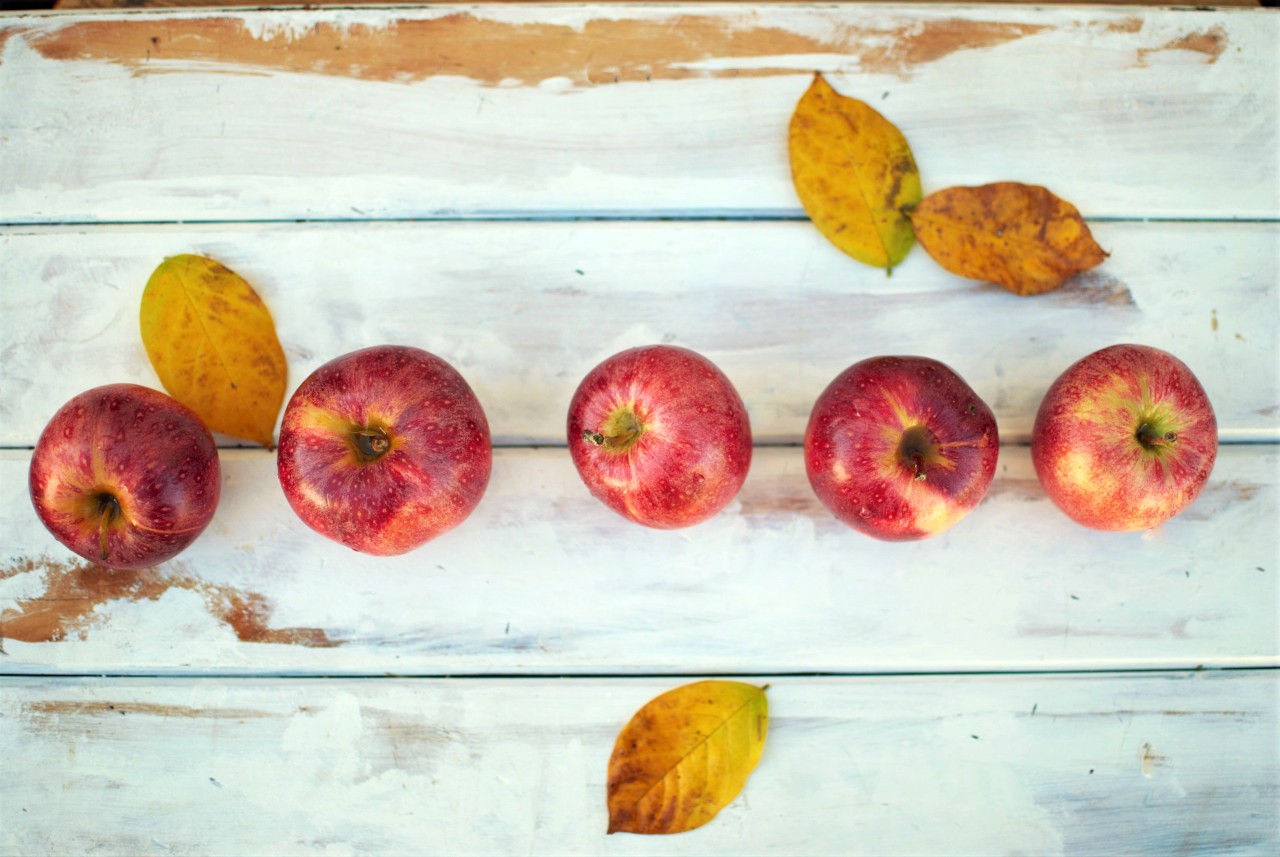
263	435
819	83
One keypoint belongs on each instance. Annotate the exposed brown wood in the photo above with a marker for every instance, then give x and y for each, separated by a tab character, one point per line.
159	4
75	589
493	52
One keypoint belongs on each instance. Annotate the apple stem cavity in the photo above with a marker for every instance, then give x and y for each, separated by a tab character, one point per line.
370	444
620	431
916	448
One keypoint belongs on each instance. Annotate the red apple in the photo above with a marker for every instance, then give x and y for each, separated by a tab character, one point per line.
900	447
660	436
1124	439
384	449
125	476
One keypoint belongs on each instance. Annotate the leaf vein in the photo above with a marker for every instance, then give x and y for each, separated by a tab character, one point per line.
723	723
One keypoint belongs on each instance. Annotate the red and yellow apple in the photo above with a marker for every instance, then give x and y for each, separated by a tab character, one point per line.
660	436
1124	439
384	449
900	447
125	476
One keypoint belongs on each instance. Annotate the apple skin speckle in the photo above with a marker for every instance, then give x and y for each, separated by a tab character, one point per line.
435	467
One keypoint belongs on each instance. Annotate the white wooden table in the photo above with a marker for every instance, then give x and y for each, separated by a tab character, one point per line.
525	190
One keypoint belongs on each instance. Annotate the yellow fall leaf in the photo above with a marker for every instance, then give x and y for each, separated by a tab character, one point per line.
854	174
685	755
213	344
1018	236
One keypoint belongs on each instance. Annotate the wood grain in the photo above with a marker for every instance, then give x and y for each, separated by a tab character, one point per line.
525	310
544	579
1118	764
655	110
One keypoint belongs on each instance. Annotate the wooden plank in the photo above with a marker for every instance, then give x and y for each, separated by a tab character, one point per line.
524	310
159	4
544	579
661	109
1127	764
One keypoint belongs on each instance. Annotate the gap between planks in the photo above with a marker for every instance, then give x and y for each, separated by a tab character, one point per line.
1262	667
20	228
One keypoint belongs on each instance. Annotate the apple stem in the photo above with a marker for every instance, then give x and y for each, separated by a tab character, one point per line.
371	444
921	476
108	511
1150	438
618	433
610	441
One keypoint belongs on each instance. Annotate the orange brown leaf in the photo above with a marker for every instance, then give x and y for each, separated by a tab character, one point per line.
1018	236
854	174
685	755
213	343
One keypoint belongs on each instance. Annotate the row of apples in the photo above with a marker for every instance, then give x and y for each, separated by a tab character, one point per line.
386	448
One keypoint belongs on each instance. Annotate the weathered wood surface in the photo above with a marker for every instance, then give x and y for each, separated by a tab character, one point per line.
358	113
524	310
1121	764
158	4
118	129
543	579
